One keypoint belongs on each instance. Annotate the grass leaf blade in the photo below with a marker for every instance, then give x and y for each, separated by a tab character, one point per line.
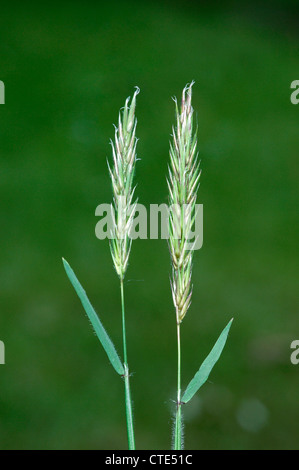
95	321
203	373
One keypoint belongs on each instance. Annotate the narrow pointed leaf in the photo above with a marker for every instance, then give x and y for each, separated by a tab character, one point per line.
95	321
203	373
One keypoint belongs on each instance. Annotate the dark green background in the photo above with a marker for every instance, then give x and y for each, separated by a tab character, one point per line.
67	68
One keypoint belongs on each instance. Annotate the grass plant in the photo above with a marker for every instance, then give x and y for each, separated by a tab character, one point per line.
122	212
183	183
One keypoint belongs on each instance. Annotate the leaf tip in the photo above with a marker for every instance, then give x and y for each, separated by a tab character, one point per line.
65	263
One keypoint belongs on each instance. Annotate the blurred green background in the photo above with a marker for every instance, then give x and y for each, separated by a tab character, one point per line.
68	68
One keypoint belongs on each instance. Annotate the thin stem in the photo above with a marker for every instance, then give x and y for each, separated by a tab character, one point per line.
178	419
129	412
123	317
128	402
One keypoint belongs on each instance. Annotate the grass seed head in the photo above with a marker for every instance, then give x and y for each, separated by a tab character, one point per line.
183	182
122	174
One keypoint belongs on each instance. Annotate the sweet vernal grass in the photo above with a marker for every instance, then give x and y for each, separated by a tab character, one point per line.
122	173
183	183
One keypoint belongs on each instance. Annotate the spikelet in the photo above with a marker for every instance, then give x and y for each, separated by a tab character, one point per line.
122	174
183	182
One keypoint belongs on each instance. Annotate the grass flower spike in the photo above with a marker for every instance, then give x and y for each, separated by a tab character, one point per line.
183	184
124	159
